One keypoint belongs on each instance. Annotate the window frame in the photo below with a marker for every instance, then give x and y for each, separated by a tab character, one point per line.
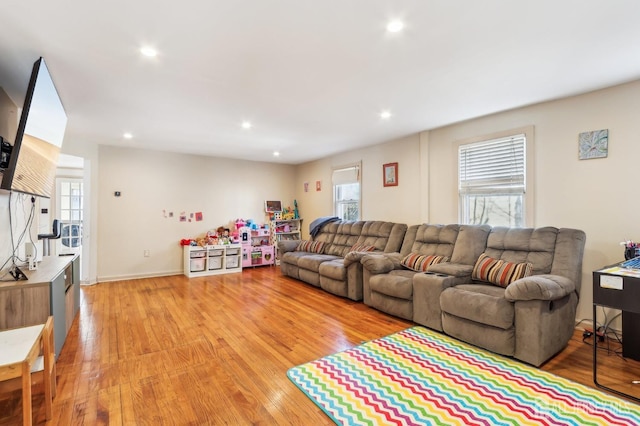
529	162
335	187
71	223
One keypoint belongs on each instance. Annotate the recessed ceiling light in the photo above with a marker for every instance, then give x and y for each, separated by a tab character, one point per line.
395	26
385	115
276	154
127	135
149	51
246	125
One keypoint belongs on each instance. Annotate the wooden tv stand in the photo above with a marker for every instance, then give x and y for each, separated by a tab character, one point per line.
52	289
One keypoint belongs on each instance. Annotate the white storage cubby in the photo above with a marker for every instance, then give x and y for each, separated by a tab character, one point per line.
211	260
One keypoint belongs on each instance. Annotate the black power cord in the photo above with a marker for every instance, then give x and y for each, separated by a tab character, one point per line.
14	271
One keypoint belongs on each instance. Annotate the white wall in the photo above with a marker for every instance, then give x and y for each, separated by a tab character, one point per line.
20	209
597	196
153	184
20	203
393	203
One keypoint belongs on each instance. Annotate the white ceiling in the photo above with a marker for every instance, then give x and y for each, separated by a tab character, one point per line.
311	75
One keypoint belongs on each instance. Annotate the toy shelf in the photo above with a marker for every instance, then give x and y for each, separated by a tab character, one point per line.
285	230
212	260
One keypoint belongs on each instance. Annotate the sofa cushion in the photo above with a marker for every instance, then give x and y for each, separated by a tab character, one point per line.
292	257
360	247
346	235
420	262
519	245
480	303
310	246
431	239
470	244
499	272
312	262
334	269
397	284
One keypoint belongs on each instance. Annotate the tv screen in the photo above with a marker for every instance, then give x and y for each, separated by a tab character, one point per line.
34	157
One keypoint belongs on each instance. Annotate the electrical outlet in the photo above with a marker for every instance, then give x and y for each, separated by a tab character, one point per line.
147	253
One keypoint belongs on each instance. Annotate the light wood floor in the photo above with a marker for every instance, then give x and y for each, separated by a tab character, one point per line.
215	350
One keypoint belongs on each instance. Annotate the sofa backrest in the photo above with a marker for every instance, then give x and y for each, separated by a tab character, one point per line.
345	237
550	250
470	244
340	236
429	239
384	236
519	245
327	232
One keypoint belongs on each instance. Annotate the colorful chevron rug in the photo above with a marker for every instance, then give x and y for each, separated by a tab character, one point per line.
419	377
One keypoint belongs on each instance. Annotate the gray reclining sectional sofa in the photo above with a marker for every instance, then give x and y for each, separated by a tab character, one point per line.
530	319
334	265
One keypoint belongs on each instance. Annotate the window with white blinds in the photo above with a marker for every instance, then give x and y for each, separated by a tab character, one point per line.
346	192
492	181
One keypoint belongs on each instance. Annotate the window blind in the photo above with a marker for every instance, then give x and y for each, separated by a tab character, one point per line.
493	166
346	175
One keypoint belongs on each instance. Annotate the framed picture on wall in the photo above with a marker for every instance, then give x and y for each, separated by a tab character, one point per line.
272	206
390	174
593	144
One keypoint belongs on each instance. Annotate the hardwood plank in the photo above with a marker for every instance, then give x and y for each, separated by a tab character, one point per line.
215	350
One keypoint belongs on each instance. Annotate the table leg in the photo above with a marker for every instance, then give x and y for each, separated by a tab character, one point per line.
26	394
595	347
595	362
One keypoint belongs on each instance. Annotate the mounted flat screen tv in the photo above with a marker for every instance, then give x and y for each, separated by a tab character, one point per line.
34	157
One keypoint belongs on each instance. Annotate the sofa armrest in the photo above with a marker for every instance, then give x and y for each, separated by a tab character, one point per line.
355	257
457	270
287	245
381	263
539	287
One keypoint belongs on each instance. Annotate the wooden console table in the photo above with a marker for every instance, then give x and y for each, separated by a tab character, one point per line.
52	289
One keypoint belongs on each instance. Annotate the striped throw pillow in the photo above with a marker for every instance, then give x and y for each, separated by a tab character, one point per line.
499	272
362	247
310	246
420	262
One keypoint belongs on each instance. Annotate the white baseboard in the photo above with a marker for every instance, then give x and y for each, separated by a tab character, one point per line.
137	276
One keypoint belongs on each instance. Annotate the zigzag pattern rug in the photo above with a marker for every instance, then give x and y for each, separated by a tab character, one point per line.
419	377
